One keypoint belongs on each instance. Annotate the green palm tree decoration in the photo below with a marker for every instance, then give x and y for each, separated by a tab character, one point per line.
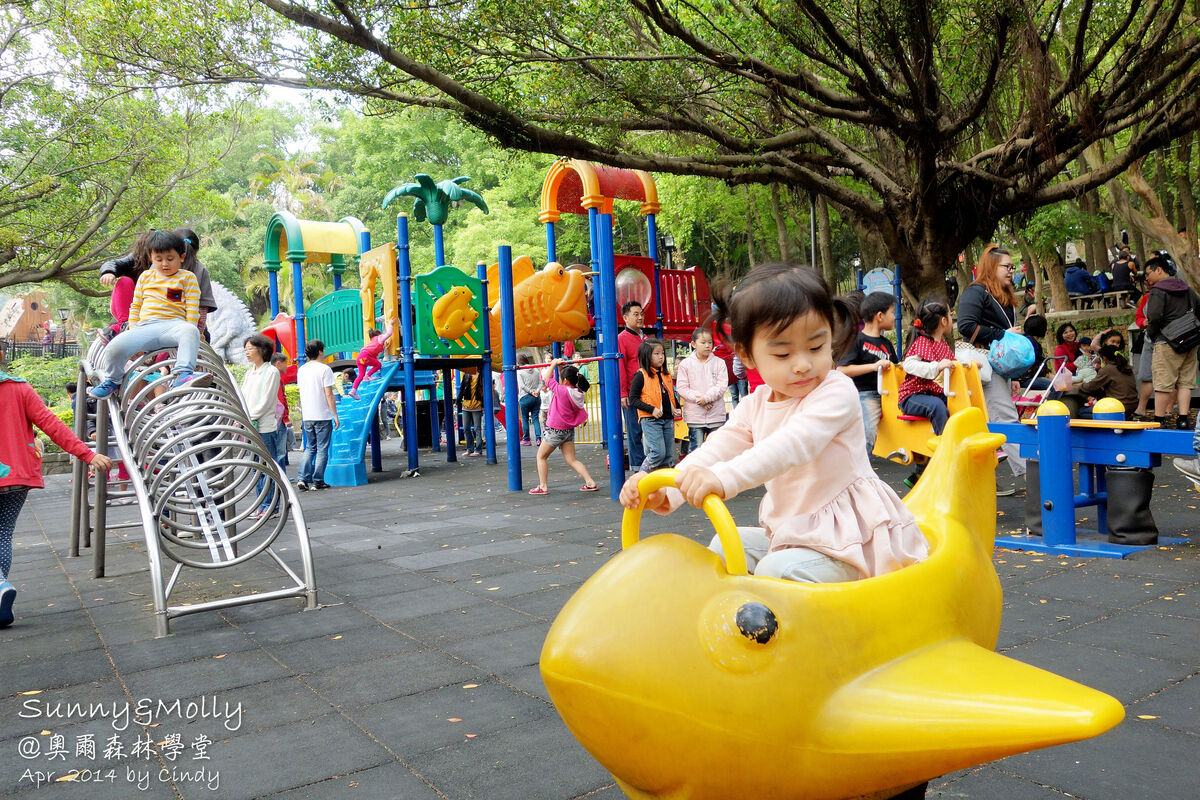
432	202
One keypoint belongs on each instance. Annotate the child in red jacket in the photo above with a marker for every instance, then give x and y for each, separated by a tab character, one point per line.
21	466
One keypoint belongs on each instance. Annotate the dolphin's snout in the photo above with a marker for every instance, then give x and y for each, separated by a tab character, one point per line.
757	622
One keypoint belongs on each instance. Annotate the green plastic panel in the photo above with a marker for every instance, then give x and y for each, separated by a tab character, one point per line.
336	319
431	286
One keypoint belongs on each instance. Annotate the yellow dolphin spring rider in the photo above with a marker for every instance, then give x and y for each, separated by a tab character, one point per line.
691	680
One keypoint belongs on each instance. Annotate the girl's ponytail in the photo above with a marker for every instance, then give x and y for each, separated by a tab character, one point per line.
930	312
847	322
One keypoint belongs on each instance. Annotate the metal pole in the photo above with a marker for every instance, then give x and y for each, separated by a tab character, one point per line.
1056	476
485	370
102	422
298	297
610	403
407	352
79	477
273	288
439	251
601	301
508	350
448	413
899	307
652	232
551	248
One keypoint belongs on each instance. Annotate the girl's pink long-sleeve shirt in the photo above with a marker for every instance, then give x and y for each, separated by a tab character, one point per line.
566	404
822	493
700	382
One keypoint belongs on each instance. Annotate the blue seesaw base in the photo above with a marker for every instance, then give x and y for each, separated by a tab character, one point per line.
1082	549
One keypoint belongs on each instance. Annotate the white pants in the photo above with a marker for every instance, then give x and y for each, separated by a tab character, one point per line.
791	564
997	396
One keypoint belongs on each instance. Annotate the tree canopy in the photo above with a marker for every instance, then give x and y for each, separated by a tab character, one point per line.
924	122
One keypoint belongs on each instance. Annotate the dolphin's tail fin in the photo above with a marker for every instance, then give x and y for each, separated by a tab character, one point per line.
955	704
960	481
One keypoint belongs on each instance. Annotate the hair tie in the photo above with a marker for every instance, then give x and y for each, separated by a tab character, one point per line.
917	323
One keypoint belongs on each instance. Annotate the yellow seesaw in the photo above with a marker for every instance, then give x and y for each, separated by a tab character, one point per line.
901	437
691	680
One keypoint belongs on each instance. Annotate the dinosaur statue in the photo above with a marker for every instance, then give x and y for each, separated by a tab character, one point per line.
229	325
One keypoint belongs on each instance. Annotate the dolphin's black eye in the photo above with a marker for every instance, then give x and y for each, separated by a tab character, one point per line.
757	622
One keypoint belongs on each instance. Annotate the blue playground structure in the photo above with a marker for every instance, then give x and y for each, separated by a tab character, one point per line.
1062	446
447	319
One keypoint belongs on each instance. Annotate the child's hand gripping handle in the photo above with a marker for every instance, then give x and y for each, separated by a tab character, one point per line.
718	515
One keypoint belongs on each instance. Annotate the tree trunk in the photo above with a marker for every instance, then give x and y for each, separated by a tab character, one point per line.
1161	186
1035	264
801	246
825	243
785	253
1187	199
749	227
1093	241
1154	220
1137	242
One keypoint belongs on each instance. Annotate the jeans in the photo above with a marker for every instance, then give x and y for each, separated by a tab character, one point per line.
633	432
872	410
473	423
531	406
317	434
735	392
276	442
152	335
659	438
926	405
697	434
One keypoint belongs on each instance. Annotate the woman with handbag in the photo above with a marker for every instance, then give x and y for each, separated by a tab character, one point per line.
1172	325
986	310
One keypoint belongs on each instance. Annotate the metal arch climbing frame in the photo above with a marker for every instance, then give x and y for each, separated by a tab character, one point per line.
195	462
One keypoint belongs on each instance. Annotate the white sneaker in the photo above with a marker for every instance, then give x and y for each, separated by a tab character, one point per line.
1189	467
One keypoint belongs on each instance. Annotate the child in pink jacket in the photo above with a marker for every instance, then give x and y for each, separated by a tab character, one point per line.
701	380
21	466
566	413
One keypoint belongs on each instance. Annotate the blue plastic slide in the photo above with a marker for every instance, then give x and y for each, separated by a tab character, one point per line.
347	464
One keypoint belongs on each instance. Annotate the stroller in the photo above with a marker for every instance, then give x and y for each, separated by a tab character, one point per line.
1042	389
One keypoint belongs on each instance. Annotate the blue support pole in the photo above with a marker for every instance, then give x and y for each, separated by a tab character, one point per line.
652	234
610	403
376	453
601	300
485	371
1057	479
298	298
448	414
407	353
273	289
508	350
899	310
551	245
435	424
439	251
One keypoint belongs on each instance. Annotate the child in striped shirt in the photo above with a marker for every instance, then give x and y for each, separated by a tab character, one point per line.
165	309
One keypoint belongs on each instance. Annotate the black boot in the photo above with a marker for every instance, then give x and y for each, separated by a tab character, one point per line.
1129	517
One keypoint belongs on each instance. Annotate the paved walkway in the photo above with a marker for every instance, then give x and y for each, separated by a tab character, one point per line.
418	679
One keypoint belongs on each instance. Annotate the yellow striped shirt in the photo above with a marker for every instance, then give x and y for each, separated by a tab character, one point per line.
159	296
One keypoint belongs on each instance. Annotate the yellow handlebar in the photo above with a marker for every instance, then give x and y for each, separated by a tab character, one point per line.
718	515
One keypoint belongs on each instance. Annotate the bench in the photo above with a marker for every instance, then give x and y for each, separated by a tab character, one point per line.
1101	300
